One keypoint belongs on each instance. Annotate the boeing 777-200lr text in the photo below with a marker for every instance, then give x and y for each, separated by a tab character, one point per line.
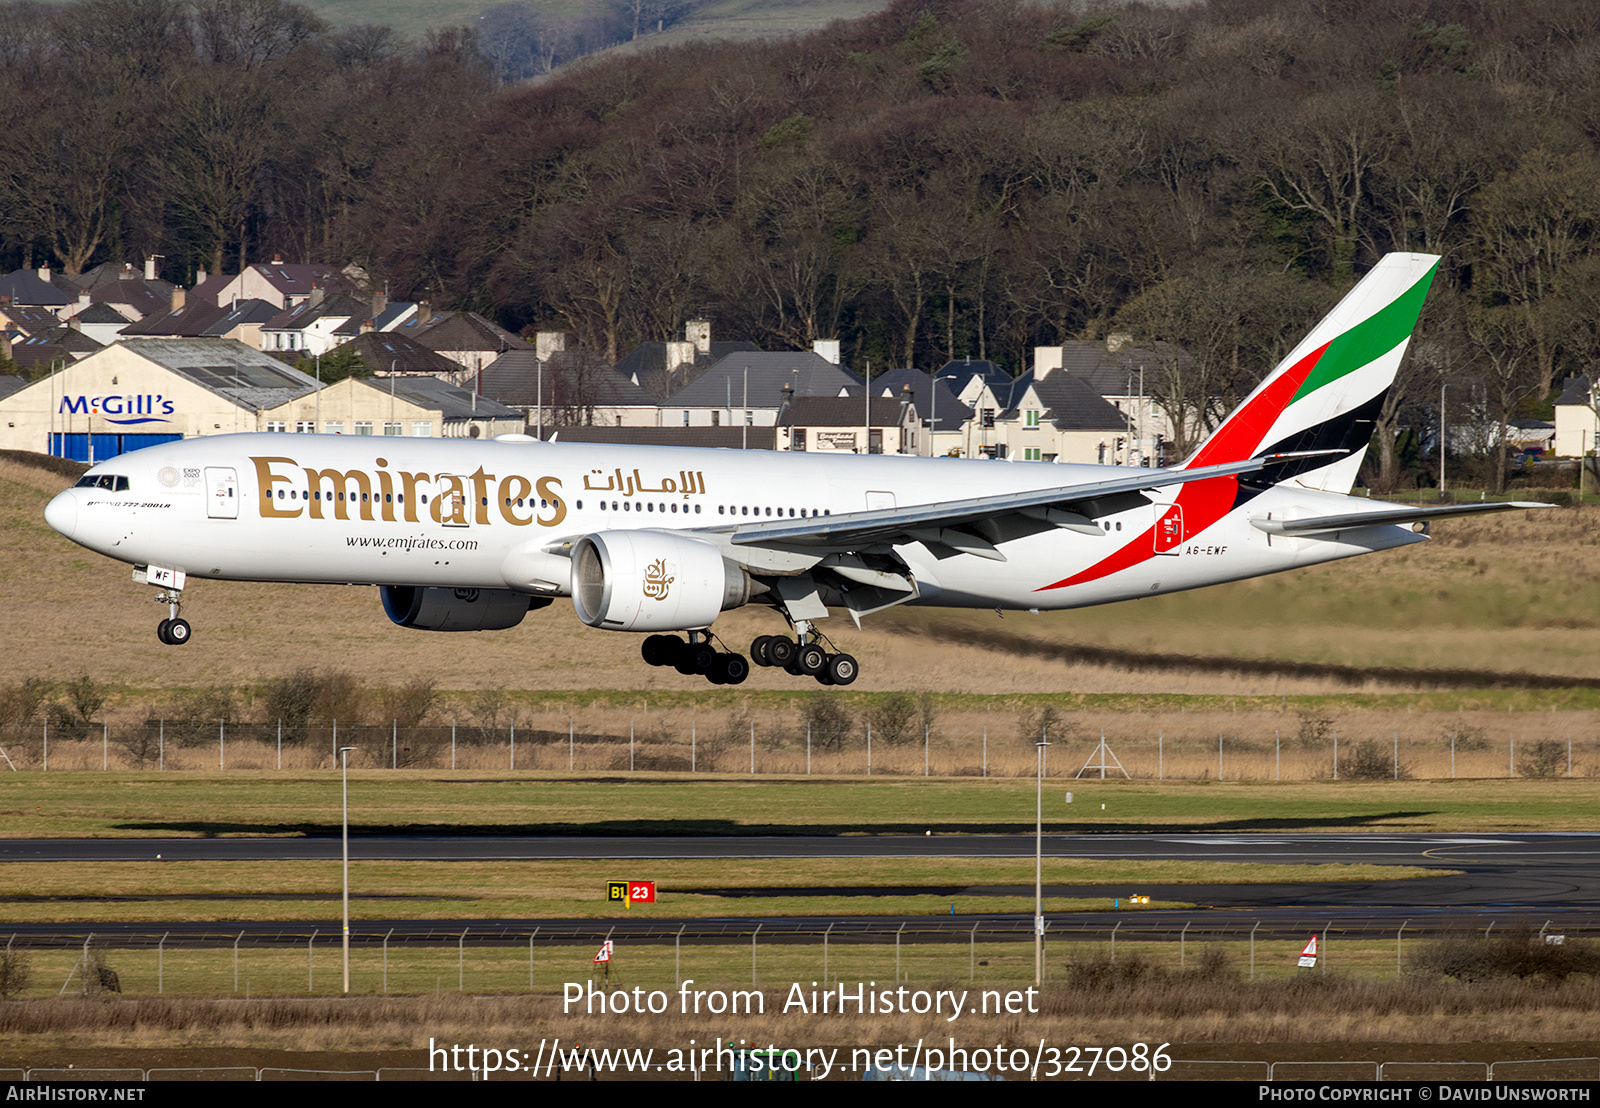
469	535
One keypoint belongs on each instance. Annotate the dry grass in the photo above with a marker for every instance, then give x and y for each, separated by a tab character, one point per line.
1191	1007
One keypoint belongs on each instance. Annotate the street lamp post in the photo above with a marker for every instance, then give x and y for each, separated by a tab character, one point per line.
344	759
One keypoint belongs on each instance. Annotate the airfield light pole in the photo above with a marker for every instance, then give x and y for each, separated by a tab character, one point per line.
344	760
1038	869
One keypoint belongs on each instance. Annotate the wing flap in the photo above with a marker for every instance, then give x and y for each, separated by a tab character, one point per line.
849	529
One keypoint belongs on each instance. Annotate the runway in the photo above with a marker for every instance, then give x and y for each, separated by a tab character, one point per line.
1514	873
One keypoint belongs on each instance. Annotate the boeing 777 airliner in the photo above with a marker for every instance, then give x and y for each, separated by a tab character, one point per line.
469	535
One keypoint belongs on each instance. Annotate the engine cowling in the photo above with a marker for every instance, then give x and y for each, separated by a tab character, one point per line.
435	609
653	581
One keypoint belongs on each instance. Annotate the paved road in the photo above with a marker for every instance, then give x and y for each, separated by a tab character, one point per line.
1518	872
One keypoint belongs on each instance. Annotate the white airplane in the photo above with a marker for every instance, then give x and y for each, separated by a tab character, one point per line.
468	535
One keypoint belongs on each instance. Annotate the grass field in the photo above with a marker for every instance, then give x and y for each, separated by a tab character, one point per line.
149	804
195	891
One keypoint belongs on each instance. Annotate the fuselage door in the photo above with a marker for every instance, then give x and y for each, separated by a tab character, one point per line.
222	492
1169	530
451	506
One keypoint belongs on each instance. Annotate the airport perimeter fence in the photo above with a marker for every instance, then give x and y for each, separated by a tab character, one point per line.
772	744
265	960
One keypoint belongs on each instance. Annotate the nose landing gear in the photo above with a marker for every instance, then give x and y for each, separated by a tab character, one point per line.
173	631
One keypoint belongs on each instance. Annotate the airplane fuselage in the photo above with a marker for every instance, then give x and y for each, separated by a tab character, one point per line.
460	513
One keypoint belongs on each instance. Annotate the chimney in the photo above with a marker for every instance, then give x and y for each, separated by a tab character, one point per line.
548	343
75	324
380	304
5	346
177	298
698	332
44	274
83	299
1046	359
150	268
317	293
277	259
827	349
200	275
368	326
424	312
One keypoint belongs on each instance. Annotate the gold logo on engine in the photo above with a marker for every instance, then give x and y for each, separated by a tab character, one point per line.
656	579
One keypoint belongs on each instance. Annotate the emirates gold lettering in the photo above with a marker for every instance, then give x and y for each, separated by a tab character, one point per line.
656	580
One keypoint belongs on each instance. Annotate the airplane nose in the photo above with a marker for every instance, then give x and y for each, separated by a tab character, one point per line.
62	513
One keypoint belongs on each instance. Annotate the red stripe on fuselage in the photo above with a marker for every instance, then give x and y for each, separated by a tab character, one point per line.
1205	502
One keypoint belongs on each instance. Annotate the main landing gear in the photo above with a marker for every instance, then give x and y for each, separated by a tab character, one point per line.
806	658
172	630
696	656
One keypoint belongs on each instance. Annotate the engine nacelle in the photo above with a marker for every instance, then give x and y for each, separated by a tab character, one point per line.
434	609
653	581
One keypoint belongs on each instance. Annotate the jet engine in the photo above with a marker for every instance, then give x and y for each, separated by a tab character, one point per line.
434	609
653	581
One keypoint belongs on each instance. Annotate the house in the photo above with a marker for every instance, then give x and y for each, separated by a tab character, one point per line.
102	321
848	425
748	387
1059	418
44	351
194	318
386	352
568	388
466	338
117	284
717	438
934	400
1577	423
414	407
664	368
1124	373
278	282
32	288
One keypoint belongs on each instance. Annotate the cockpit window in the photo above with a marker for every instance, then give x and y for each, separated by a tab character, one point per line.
107	481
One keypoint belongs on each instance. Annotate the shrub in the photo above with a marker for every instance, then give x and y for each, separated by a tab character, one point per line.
1546	758
1315	731
14	972
894	719
830	722
1370	760
1045	721
1521	953
291	700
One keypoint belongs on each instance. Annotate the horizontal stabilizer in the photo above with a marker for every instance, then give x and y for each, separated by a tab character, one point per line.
1378	517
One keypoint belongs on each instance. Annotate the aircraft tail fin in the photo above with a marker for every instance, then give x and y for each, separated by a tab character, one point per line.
1326	394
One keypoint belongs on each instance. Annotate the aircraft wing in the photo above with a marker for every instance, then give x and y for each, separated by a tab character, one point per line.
1379	516
943	522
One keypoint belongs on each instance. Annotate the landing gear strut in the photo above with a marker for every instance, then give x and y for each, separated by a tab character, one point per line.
806	658
696	656
172	630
